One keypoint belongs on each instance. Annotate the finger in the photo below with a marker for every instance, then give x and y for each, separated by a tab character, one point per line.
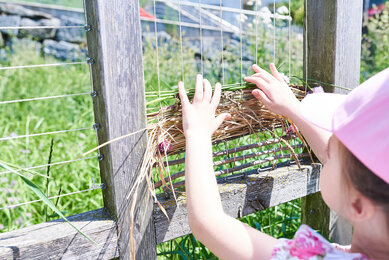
199	89
275	72
260	83
182	93
261	97
264	75
220	119
256	68
216	95
207	91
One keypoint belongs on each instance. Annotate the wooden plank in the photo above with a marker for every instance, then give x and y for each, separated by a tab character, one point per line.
240	197
332	33
58	240
116	47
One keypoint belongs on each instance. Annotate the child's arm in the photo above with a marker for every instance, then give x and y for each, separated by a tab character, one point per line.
275	94
225	236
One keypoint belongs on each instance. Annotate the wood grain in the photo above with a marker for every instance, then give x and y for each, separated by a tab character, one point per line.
116	46
332	44
58	240
241	197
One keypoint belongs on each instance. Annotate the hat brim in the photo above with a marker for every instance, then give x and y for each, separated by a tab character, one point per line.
319	109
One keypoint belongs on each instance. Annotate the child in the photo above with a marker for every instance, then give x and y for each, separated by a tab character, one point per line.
349	135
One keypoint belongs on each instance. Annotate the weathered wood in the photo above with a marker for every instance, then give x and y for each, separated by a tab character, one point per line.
332	42
241	197
58	240
115	45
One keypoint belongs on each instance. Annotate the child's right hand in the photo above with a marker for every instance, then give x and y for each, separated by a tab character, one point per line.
273	91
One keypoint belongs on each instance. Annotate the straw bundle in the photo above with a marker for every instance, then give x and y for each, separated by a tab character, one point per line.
248	116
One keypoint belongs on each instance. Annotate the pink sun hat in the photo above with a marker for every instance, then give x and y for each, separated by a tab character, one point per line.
360	120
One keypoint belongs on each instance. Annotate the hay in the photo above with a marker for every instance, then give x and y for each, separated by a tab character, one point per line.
248	116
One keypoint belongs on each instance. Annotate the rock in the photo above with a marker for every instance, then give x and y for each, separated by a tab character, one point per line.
21	11
4	55
63	50
76	35
17	44
10	21
39	33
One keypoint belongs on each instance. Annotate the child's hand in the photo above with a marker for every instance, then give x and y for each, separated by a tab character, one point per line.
273	92
198	117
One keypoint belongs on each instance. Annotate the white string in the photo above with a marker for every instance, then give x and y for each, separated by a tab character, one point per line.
98	144
50	164
193	25
222	39
39	27
47	133
290	40
43	98
306	43
201	41
27	140
197	26
241	43
42	65
157	50
274	32
224	8
53	197
256	31
85	15
182	57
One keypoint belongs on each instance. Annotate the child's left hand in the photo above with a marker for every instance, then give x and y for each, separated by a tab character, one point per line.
198	117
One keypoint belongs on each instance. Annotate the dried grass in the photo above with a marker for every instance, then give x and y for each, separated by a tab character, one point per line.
248	116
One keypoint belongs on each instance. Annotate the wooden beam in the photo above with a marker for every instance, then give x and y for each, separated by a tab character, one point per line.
332	39
115	45
333	34
58	240
240	197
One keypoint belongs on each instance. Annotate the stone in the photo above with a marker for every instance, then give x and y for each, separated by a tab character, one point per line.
17	44
63	50
23	12
4	54
39	33
10	21
76	35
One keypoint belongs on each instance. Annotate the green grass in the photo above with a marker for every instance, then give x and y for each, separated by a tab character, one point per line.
45	116
62	3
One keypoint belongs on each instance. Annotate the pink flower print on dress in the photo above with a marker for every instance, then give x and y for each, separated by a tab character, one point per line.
305	246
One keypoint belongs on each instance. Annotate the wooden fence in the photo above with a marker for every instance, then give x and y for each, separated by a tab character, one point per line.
332	54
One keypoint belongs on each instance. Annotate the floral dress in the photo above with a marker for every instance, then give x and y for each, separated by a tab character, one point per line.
307	244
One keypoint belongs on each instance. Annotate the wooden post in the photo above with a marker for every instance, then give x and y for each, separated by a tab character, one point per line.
115	45
332	47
